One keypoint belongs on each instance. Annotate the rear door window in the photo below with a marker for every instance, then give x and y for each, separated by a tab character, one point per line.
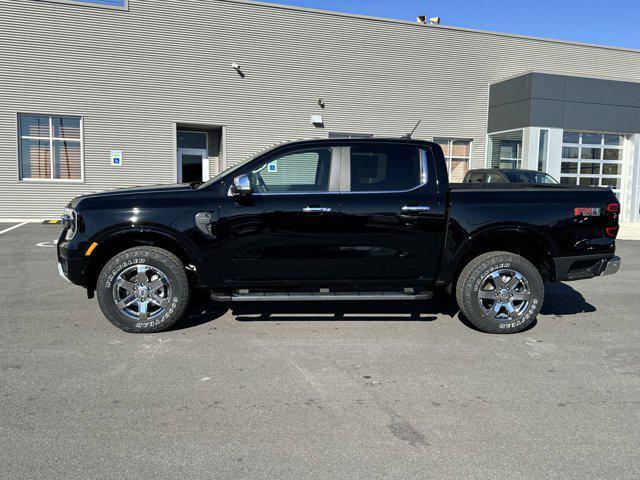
386	168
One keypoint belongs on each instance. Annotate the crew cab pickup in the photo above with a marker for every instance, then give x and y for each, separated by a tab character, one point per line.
332	220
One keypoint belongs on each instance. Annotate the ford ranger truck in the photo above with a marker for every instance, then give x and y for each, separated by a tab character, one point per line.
336	220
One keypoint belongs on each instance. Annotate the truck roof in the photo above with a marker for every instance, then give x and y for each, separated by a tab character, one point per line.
357	139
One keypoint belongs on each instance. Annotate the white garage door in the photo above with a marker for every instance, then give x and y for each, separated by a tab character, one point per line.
594	159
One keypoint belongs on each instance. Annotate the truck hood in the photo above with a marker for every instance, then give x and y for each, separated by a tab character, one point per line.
131	192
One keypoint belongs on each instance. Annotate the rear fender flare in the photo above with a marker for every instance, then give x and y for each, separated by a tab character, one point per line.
527	232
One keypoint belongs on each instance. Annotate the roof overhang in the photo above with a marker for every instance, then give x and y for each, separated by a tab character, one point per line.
564	101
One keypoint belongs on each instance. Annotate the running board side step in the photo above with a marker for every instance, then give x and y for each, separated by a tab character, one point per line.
321	296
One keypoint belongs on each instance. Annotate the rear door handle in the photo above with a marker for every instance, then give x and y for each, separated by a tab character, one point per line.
316	210
416	209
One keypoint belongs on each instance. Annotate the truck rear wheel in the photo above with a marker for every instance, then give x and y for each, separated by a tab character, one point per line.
500	292
143	290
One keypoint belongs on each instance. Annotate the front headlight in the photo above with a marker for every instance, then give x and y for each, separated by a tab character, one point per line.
70	223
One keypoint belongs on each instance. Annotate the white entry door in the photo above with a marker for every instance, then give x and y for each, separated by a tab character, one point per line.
193	165
193	156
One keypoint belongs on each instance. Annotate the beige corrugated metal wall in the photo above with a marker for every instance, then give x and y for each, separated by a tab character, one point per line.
134	74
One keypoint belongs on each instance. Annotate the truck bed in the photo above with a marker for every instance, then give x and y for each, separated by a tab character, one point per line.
523	186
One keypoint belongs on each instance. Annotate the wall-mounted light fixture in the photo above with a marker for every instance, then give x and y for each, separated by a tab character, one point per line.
238	69
428	20
321	102
317	121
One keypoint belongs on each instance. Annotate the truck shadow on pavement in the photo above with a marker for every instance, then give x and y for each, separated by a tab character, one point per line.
560	300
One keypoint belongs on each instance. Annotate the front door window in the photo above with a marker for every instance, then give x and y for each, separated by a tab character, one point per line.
304	171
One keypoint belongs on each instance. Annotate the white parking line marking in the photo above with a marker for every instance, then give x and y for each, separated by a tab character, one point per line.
50	244
13	228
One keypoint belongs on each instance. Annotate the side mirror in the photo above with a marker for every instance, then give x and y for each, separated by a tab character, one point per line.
241	185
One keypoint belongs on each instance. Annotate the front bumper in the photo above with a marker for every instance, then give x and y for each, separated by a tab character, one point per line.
72	265
62	273
585	267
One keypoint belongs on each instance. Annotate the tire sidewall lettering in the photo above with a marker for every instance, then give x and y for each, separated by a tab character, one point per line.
120	267
165	316
523	318
487	271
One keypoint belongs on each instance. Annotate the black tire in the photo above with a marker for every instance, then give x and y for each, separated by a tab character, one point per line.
475	281
171	299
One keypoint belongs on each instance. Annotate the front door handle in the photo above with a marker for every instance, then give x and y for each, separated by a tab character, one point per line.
416	209
316	210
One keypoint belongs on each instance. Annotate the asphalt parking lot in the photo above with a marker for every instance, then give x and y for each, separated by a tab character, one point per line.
313	396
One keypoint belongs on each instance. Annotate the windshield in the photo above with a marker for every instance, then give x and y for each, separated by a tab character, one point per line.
530	177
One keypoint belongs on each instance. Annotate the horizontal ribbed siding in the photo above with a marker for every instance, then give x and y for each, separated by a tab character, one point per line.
134	75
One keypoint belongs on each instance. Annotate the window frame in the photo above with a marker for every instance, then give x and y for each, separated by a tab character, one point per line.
602	146
449	158
51	139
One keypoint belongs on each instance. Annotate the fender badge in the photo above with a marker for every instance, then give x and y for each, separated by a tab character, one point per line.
586	212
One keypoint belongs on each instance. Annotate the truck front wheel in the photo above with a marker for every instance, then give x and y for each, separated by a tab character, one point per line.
500	292
143	290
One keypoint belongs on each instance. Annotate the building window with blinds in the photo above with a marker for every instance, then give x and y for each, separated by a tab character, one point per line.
505	149
457	154
50	147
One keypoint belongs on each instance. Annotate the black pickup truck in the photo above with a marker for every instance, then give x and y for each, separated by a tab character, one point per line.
331	220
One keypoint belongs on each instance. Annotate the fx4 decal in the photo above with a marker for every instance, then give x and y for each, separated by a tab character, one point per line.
586	212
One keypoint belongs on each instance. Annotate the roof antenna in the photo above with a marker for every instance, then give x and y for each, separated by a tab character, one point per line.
407	136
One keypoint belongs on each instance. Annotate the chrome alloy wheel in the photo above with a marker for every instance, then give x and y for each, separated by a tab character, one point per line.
504	294
142	292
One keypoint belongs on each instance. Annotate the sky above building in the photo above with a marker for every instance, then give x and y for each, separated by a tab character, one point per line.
611	22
